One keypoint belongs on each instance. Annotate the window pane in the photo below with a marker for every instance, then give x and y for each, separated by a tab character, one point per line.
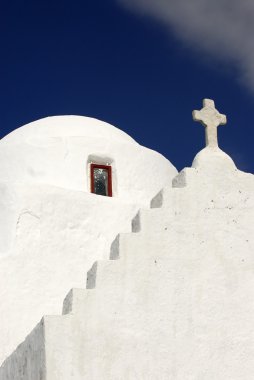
101	181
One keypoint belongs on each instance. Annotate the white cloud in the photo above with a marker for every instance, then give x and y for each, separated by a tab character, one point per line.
222	28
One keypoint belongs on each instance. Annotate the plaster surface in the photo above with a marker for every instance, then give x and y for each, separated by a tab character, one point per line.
176	302
51	227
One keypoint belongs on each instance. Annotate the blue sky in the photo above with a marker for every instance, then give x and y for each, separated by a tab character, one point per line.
142	66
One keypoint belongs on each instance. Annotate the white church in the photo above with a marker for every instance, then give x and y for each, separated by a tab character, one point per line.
110	273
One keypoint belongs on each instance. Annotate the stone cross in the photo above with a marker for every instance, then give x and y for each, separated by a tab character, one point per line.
211	119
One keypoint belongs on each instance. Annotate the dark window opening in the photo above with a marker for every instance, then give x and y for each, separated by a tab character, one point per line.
101	180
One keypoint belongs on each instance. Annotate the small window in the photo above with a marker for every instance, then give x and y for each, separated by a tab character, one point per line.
101	180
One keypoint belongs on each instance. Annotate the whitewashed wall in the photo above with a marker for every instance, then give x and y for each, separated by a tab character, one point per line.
177	303
51	227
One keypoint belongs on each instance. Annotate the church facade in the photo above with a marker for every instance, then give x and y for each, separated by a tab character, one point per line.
156	275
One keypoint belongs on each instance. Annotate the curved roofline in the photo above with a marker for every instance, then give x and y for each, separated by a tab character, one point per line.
68	126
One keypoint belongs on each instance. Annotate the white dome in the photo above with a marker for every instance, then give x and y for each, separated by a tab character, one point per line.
57	151
67	126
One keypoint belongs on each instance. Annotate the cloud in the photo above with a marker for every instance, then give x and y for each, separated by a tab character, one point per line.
222	28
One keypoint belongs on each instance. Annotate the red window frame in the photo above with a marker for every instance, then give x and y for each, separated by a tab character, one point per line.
109	170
